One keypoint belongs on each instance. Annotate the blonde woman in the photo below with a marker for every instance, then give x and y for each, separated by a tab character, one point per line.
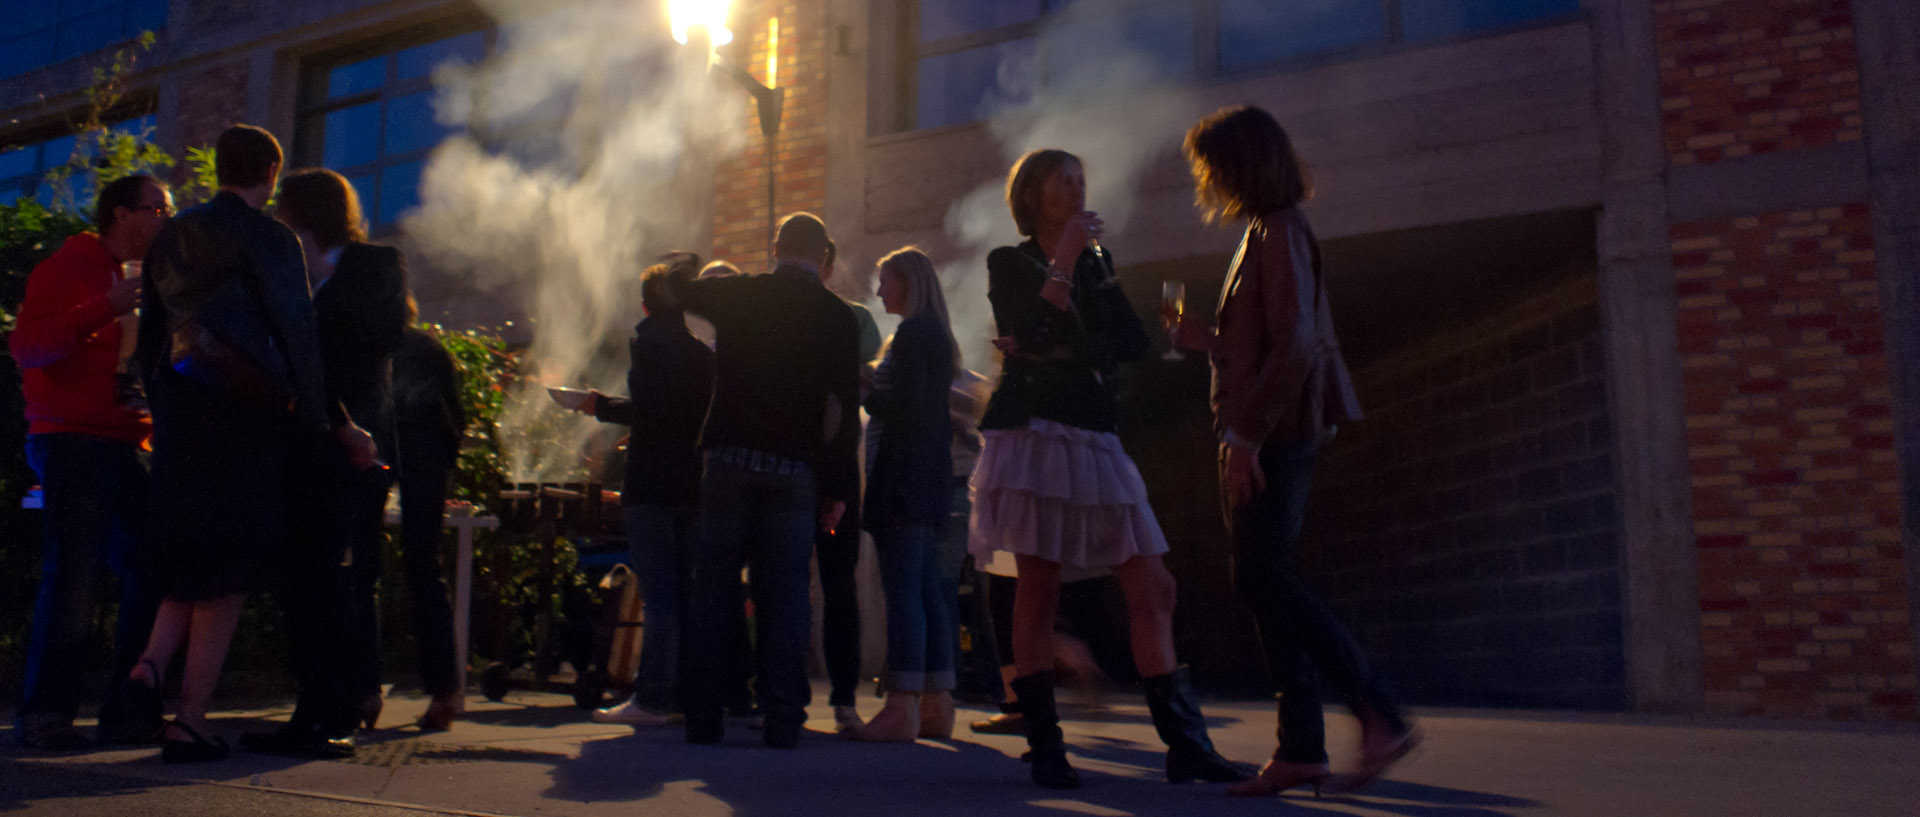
909	488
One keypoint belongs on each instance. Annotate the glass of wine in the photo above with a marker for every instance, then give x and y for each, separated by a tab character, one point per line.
1173	301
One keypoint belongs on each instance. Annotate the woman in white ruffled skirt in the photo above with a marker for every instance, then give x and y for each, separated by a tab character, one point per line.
1053	486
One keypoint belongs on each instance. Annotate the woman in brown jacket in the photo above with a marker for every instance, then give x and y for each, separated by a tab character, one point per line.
1279	389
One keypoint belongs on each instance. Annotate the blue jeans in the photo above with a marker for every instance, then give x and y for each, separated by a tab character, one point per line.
660	540
95	515
1301	638
921	608
764	520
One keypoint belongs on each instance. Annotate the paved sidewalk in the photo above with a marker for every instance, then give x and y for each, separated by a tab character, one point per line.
534	754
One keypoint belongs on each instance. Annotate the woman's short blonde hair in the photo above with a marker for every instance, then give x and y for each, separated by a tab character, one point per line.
1024	183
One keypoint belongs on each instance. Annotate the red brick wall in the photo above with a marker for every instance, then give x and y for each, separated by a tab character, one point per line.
1742	77
211	99
1795	479
1796	489
740	205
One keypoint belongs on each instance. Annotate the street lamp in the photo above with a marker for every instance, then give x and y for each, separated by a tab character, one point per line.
702	24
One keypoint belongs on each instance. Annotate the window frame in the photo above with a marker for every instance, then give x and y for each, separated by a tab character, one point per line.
313	104
906	51
33	183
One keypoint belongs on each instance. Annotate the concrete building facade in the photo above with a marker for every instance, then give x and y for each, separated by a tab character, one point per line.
1629	288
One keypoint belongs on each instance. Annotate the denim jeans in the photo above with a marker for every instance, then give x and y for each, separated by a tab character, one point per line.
95	513
763	520
660	540
921	608
1299	635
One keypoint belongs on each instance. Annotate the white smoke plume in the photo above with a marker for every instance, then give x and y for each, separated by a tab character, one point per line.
1087	88
590	142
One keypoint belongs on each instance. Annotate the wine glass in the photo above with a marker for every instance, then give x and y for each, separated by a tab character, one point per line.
1173	301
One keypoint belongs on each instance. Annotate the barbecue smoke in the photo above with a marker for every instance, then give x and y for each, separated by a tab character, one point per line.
589	145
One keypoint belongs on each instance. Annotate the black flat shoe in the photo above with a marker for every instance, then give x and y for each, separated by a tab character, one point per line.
198	750
302	740
143	703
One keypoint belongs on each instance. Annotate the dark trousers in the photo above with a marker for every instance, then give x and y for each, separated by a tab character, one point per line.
763	520
365	506
425	461
1297	632
94	492
839	555
316	585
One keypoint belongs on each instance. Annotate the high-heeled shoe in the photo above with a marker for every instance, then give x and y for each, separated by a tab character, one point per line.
1279	775
197	750
1374	761
440	714
370	707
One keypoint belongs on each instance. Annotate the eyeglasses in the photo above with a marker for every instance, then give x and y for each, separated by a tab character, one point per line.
156	209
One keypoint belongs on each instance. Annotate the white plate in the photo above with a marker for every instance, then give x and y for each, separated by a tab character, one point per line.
571	398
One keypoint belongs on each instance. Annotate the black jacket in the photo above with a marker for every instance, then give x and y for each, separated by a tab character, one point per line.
910	470
236	272
361	312
1067	365
785	348
670	382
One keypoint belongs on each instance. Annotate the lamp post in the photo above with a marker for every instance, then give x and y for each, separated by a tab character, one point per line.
701	24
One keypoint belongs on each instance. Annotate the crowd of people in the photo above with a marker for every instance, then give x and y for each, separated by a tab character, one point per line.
272	411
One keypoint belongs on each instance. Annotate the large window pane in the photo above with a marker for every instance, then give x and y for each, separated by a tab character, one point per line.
410	124
19	16
1430	20
966	86
420	60
16	162
1256	32
940	19
364	75
399	191
89	32
1162	33
352	136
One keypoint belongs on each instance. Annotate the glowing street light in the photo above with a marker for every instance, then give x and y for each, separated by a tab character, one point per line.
702	25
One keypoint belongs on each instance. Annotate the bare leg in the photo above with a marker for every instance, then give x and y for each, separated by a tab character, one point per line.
211	629
169	629
1036	603
1150	593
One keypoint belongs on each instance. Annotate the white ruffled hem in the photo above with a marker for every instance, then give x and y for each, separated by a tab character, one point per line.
1061	493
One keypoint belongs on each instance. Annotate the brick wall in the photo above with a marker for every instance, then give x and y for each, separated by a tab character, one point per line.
740	204
1742	77
1795	479
1467	528
1802	585
211	99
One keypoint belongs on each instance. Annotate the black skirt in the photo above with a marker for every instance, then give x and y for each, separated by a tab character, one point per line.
219	493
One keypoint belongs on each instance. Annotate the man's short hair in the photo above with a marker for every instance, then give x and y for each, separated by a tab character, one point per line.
245	156
126	191
803	236
655	281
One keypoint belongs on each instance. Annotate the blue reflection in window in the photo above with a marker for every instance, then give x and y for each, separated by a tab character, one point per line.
27	15
1430	20
363	187
969	85
352	136
89	32
1256	32
399	191
1163	34
420	60
940	19
10	195
17	162
410	124
364	75
23	54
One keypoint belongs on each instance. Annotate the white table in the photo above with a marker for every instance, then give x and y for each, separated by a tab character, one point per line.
463	519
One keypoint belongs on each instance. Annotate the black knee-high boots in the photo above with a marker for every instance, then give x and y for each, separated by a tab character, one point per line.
1176	716
1049	749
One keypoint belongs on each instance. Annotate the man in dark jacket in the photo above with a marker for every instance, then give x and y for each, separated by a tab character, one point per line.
83	439
779	443
670	384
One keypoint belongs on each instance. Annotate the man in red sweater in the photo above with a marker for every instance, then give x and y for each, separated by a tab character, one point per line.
83	438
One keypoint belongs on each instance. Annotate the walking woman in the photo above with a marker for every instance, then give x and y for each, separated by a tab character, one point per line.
1279	388
909	488
1053	485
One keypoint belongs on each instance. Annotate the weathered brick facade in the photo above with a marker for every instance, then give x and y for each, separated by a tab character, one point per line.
218	99
1795	480
1743	77
740	203
1467	527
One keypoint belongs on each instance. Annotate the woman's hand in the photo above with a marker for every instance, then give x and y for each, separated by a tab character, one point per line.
1079	229
1240	476
1056	293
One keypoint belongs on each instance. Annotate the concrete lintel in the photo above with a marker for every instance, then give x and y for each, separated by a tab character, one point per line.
1769	183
